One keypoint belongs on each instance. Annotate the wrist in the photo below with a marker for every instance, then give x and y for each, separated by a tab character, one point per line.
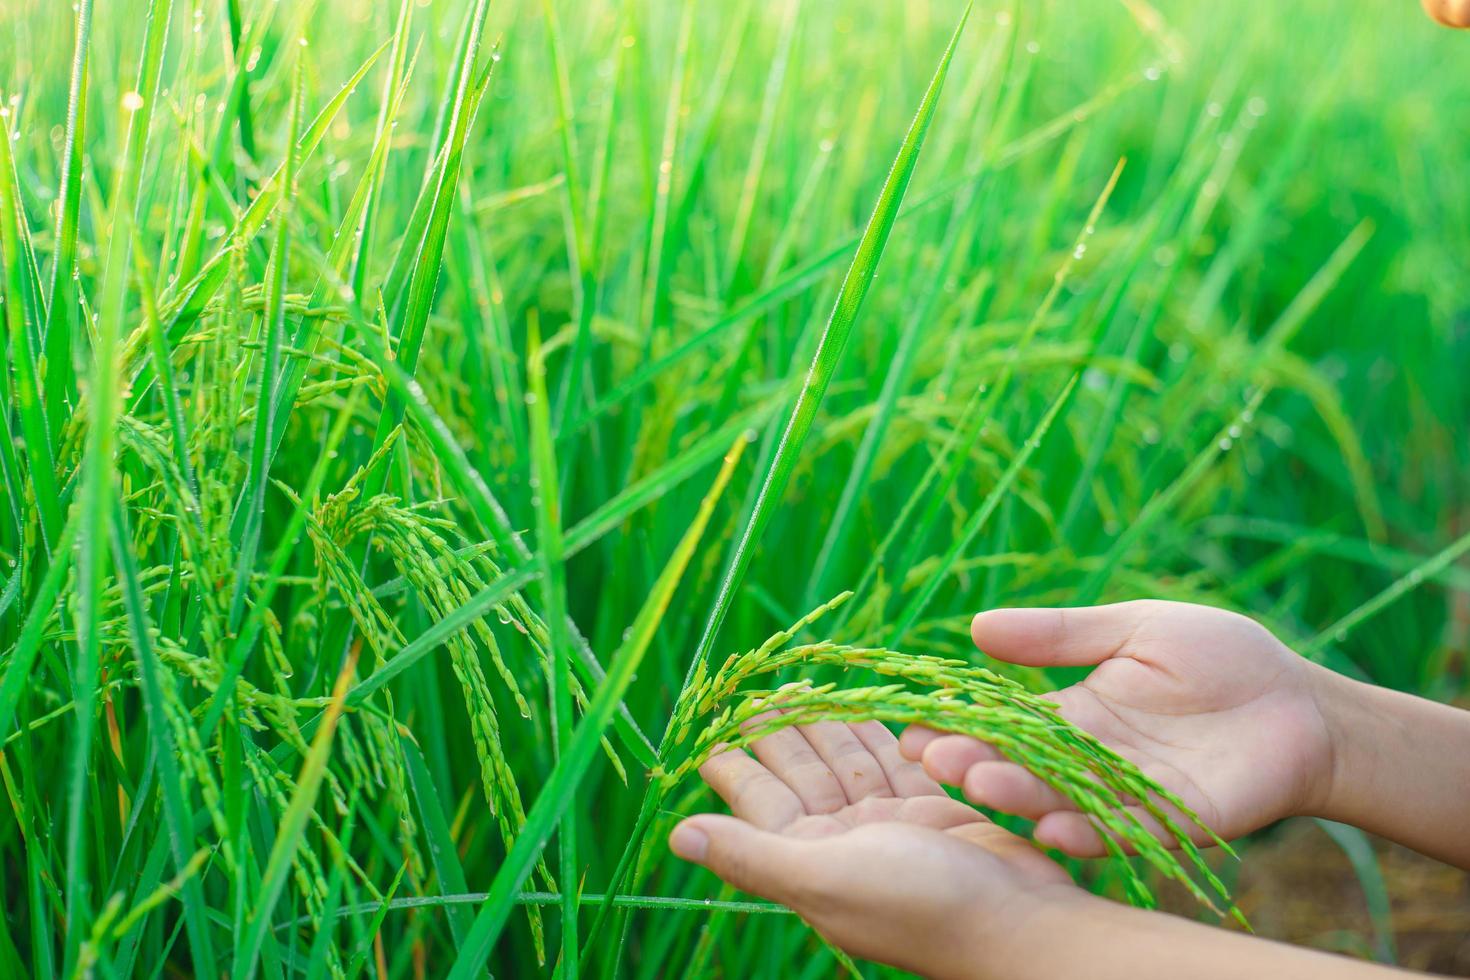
1345	707
1016	942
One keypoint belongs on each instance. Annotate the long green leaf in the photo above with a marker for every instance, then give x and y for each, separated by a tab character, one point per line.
855	286
93	562
1402	586
978	517
171	782
422	645
293	827
285	547
552	561
252	500
442	850
33	630
22	319
182	309
409	334
60	379
556	794
834	337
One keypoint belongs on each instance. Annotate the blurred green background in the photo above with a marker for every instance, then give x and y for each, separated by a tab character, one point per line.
1290	223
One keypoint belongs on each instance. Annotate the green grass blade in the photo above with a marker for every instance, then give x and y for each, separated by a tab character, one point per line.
93	562
280	557
171	782
442	849
850	297
422	285
293	827
58	340
894	380
424	644
163	366
33	630
398	69
190	300
691	459
1357	846
252	499
978	517
1402	586
651	903
546	499
379	914
23	319
556	795
1163	501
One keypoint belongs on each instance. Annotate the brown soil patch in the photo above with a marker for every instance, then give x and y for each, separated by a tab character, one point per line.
1297	886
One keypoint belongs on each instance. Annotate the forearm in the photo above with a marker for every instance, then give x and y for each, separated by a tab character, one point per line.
1400	768
1100	939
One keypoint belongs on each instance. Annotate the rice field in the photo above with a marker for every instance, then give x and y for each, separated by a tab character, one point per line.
431	427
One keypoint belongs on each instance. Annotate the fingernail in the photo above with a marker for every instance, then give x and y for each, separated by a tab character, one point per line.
690	843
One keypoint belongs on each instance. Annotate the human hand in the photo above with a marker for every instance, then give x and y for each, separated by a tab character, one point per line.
1450	13
830	820
1207	702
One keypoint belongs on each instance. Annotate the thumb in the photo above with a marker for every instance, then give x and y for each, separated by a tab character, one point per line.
752	860
1057	637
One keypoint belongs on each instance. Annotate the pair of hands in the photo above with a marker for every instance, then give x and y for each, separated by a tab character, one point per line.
850	827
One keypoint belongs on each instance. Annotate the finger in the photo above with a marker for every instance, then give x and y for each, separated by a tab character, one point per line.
753	860
856	769
949	757
750	790
1450	13
913	740
788	755
1057	637
1076	835
905	777
1008	787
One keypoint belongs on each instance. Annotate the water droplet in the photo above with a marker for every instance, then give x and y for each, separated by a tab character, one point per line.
1225	444
1079	251
1152	73
1032	47
132	101
1256	106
